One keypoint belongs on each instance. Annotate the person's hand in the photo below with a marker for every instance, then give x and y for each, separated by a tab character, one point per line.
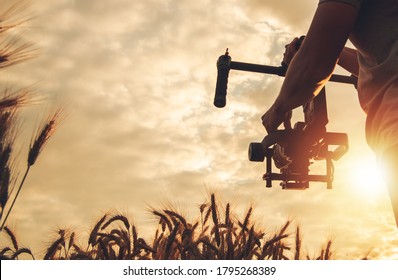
273	118
290	51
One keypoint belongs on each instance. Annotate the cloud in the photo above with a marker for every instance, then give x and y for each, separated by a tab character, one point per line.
293	16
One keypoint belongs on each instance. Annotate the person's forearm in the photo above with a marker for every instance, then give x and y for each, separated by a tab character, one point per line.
349	60
305	78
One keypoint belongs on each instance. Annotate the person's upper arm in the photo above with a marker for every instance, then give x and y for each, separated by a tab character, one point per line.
355	3
331	26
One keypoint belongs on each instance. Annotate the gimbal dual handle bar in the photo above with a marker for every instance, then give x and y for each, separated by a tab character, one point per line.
224	65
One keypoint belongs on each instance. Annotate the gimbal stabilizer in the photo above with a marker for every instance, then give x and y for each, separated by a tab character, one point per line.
292	150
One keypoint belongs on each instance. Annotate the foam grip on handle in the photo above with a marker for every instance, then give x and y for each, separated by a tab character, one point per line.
223	67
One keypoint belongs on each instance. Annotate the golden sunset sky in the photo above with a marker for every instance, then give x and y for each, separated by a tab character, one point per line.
138	80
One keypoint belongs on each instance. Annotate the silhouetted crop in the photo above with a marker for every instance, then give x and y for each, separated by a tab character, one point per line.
224	237
13	50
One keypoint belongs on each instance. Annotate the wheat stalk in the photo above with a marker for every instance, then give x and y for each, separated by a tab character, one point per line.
173	214
7	138
52	250
36	147
13	100
14	51
92	240
163	219
12	238
170	241
215	219
13	16
298	244
43	135
328	252
121	218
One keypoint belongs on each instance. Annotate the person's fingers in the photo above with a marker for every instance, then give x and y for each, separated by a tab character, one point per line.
290	51
287	123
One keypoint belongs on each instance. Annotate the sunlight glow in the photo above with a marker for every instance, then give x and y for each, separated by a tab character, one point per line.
367	177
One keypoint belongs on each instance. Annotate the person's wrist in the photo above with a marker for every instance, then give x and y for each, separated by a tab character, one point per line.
278	109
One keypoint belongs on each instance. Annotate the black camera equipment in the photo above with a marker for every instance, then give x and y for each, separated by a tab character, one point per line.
292	150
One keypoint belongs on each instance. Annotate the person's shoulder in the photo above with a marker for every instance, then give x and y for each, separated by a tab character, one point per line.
355	3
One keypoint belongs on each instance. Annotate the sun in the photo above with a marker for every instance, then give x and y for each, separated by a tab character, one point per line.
367	176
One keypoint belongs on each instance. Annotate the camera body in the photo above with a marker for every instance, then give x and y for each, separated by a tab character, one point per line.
293	151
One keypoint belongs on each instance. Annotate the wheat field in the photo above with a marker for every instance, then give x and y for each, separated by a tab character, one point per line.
216	235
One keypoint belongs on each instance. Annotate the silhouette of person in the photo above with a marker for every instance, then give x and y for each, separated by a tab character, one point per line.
372	27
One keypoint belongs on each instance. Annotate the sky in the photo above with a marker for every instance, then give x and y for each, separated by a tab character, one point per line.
138	79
